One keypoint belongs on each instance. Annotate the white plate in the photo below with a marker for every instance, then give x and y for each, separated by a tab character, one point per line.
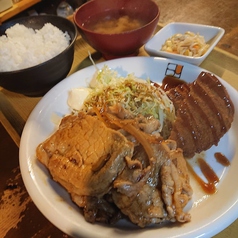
212	35
210	214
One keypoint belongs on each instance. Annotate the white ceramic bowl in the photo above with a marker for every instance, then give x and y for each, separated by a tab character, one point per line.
211	34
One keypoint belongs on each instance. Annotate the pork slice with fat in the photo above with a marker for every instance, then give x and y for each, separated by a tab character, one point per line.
155	193
85	156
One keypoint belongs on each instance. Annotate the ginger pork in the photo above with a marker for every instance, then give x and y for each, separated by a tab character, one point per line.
122	154
112	173
84	155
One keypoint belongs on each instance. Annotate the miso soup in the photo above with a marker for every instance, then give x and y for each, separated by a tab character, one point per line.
114	23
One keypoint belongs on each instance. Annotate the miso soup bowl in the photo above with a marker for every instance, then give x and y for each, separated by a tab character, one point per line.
119	44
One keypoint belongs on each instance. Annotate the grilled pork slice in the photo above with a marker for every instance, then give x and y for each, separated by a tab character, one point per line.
157	192
85	156
98	209
111	177
204	114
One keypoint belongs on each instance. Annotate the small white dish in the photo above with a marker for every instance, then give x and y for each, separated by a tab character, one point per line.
211	34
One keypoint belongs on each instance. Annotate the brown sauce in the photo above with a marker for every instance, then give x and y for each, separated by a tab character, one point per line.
208	188
171	82
222	159
207	171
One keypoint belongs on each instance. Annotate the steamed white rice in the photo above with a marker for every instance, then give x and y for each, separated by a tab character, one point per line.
24	47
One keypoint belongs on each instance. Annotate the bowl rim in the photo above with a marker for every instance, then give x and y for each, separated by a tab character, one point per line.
114	34
45	62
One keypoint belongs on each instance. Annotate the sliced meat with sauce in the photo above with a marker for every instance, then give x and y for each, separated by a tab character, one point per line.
98	209
176	188
111	177
204	113
84	155
156	193
115	165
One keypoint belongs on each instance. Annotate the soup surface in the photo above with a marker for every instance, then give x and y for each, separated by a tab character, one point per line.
114	23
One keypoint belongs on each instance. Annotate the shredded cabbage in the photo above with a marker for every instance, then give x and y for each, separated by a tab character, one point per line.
136	95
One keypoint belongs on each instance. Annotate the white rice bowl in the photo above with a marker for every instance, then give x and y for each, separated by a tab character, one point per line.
24	47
